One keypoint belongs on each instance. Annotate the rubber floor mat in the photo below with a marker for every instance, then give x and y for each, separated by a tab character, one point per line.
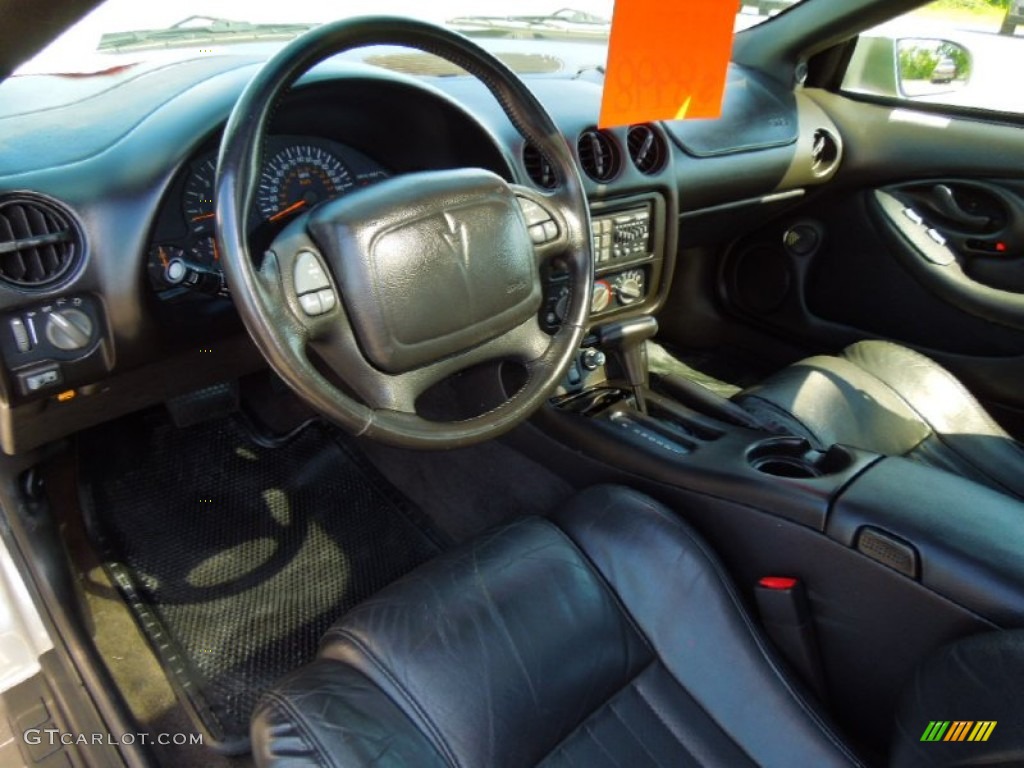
235	558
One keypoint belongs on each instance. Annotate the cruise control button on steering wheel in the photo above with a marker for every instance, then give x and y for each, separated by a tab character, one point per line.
312	286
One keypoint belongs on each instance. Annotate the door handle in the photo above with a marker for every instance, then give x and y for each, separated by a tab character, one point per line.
943	201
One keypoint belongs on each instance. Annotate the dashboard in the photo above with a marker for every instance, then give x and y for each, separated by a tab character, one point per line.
111	293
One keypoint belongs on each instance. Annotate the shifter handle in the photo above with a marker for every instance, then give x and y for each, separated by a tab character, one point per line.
618	336
626	341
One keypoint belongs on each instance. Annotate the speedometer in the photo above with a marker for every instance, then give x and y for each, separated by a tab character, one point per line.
298	178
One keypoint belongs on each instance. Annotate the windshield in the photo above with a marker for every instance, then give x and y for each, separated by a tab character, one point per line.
122	32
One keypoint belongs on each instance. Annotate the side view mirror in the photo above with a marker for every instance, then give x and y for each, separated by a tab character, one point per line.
918	69
929	67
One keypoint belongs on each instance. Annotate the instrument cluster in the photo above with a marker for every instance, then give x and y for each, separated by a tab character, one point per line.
299	173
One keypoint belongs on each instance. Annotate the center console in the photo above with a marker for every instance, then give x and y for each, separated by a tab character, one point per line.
895	555
939	529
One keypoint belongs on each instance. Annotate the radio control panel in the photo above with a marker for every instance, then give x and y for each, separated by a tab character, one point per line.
622	236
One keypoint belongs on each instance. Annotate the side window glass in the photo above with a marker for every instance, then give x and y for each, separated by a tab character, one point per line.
959	53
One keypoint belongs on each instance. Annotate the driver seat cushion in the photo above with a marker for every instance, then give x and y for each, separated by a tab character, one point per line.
606	635
891	400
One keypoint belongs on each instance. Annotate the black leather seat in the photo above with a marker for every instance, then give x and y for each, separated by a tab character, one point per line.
891	400
607	635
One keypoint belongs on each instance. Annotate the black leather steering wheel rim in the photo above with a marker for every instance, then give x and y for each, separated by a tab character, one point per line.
259	292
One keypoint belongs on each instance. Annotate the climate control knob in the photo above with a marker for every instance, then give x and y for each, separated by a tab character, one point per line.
630	287
602	296
69	329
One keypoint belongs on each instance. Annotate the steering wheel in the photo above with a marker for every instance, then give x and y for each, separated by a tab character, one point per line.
365	302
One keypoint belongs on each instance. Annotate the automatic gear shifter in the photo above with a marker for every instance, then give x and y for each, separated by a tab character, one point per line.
626	340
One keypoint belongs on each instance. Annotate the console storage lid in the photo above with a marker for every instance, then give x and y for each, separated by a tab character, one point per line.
966	541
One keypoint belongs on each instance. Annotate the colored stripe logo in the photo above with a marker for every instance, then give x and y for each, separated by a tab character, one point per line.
959	730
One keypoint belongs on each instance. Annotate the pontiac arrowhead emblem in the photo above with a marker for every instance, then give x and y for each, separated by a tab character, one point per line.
455	236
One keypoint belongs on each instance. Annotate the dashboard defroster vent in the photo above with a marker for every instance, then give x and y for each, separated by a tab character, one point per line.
39	241
538	168
599	155
646	149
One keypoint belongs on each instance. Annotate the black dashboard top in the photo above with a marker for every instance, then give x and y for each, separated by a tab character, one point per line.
131	159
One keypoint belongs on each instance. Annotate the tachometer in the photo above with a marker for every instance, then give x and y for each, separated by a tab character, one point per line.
299	177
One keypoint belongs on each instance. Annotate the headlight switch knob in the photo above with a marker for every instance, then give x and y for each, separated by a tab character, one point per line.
69	329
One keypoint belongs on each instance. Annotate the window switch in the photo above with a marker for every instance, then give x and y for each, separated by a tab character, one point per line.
913	215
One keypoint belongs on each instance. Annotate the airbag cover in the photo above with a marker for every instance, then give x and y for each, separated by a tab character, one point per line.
429	264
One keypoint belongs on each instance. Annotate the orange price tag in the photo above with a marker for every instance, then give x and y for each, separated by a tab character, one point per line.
667	60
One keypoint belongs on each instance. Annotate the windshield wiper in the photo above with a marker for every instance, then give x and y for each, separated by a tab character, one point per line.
188	31
565	23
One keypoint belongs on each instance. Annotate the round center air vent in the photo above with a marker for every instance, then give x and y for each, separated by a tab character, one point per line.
39	241
538	168
599	155
824	153
646	149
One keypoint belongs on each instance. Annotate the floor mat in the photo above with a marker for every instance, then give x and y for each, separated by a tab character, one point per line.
236	558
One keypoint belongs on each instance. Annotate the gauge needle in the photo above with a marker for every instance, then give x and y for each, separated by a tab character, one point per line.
163	257
204	216
290	209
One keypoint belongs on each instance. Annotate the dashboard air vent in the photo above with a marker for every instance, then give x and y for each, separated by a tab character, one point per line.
538	168
39	241
646	149
824	153
599	155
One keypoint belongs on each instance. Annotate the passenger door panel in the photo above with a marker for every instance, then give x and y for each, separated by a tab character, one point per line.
919	239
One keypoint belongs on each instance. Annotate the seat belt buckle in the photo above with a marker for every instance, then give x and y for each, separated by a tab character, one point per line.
786	616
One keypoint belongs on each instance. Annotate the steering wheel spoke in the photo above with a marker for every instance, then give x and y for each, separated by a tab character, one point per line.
525	345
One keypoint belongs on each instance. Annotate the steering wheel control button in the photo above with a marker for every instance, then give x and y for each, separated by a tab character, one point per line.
21	338
327	299
38	379
316	296
935	235
534	213
69	329
310	276
542	226
544	233
311	304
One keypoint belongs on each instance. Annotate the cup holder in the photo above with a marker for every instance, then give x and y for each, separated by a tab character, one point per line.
794	457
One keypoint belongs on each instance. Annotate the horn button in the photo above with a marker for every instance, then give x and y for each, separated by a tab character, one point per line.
429	264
